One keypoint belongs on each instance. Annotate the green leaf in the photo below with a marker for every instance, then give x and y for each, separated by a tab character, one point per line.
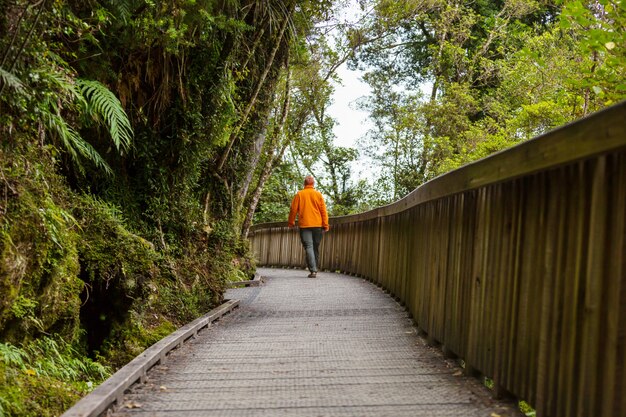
73	143
10	80
102	102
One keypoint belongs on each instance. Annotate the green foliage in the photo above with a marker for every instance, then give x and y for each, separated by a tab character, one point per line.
109	250
277	194
23	307
486	75
525	408
128	339
396	144
115	224
599	29
44	377
10	80
38	251
118	268
186	302
57	359
55	102
72	142
310	132
13	356
102	102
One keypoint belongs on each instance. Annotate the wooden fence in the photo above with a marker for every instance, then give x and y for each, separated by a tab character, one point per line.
515	263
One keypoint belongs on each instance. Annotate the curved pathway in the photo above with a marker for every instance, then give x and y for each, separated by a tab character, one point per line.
331	346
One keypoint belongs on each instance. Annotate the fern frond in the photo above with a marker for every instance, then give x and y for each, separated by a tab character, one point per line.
65	86
103	103
85	149
10	80
58	127
13	356
73	143
122	9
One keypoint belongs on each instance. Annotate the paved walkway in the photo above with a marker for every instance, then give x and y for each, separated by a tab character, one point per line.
331	346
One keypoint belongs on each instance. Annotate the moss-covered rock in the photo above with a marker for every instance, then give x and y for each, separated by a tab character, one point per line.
116	267
38	251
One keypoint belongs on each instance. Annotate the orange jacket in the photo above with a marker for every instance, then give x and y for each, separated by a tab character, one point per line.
309	205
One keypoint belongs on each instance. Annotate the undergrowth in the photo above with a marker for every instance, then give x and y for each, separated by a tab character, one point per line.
73	266
45	377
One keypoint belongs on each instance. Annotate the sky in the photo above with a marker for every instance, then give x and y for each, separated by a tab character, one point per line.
351	123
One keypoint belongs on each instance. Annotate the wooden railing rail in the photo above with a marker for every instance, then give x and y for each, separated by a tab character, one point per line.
515	263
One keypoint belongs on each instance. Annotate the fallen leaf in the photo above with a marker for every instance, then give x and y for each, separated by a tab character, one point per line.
163	388
495	415
458	373
132	404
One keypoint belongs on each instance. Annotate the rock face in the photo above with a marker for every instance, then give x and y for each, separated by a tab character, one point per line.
64	259
39	260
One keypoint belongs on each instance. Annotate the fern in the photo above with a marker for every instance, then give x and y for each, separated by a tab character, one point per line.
103	103
74	144
64	85
52	358
58	359
13	356
122	9
10	80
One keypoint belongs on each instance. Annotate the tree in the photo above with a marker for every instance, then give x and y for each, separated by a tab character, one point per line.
598	29
484	75
307	138
396	143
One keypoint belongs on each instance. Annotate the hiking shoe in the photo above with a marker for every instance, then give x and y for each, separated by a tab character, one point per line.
313	275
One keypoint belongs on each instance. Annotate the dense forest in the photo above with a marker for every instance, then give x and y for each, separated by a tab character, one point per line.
141	140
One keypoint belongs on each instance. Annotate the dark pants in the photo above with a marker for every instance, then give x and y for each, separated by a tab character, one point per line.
311	238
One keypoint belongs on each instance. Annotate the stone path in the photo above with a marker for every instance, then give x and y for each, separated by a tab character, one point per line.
331	346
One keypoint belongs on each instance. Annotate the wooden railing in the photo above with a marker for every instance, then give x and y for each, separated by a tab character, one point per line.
515	263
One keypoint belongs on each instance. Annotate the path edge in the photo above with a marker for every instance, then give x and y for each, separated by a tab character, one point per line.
255	282
112	390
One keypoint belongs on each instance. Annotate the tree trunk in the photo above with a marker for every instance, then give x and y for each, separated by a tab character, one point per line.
252	102
255	151
319	117
271	161
587	93
256	197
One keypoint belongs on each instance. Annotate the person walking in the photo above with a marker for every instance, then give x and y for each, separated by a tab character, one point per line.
308	204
